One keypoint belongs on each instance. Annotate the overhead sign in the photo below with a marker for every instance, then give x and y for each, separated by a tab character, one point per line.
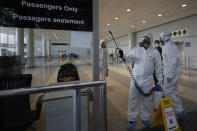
47	14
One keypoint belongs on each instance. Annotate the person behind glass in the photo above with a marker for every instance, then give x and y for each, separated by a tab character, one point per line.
103	60
112	56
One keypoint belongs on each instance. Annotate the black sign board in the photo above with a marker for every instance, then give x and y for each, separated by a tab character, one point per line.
47	14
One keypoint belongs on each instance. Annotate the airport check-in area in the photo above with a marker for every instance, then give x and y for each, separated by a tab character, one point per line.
67	65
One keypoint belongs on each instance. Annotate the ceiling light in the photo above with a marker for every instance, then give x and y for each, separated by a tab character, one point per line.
159	15
108	24
128	10
116	18
132	26
143	21
183	5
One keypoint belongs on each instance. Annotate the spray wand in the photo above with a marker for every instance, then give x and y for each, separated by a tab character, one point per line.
129	68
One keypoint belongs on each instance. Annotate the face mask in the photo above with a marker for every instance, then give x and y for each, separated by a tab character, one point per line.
156	45
144	43
147	46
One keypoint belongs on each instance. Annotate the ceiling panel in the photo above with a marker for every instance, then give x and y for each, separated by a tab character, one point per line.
147	10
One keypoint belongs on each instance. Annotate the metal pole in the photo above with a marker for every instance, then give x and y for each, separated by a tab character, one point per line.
95	65
52	88
76	110
95	45
104	107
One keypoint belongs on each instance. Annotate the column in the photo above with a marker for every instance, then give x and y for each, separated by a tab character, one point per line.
20	42
49	47
132	40
30	48
44	47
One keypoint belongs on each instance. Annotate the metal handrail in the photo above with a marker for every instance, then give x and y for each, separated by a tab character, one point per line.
76	98
51	88
83	93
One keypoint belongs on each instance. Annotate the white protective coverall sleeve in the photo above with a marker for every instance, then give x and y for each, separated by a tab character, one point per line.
158	67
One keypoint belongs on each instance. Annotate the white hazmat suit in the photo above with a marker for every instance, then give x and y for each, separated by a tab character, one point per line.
172	71
145	63
103	60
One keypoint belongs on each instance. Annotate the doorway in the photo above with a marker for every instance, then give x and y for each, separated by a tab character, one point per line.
181	51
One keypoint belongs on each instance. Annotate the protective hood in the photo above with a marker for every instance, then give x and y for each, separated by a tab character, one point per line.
165	36
150	36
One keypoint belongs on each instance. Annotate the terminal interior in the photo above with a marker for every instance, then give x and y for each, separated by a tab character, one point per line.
42	52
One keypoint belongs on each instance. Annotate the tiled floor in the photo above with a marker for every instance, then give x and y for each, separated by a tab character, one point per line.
118	83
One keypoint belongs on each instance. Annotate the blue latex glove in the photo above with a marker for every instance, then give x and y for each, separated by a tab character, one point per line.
158	88
131	126
147	123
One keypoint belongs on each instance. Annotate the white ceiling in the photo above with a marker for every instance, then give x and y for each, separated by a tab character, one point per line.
147	10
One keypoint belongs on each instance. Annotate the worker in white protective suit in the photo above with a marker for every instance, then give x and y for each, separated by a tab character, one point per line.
146	60
103	60
172	71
